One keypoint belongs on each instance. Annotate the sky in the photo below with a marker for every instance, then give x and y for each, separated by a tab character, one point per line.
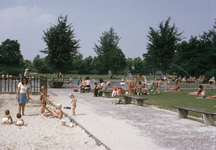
25	21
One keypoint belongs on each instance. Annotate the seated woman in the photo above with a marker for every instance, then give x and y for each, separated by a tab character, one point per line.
129	86
179	78
138	86
87	82
43	94
200	89
184	80
82	86
176	88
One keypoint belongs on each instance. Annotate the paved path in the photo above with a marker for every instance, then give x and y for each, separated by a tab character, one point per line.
136	127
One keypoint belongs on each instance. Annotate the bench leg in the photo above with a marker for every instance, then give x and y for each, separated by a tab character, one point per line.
209	119
127	100
182	113
107	95
140	102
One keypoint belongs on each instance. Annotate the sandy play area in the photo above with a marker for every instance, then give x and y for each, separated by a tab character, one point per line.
41	132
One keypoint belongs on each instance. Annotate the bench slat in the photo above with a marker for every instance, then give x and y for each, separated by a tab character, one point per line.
136	97
209	112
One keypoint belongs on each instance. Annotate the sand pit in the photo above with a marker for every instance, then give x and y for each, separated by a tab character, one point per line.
41	132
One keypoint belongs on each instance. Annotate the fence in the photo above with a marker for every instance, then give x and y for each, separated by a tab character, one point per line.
9	85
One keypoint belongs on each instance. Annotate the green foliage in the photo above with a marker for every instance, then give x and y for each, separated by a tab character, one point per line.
109	55
11	59
138	64
78	63
10	54
28	65
210	73
87	62
162	45
60	45
41	65
197	56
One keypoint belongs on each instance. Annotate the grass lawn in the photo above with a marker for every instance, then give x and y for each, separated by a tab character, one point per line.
165	100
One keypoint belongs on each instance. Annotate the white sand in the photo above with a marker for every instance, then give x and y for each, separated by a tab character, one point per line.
41	132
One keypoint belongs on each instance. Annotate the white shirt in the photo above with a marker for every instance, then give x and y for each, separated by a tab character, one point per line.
23	88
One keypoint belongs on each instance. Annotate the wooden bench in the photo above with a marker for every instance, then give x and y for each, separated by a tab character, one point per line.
107	94
139	100
208	115
87	89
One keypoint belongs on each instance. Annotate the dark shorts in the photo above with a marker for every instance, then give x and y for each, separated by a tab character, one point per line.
22	98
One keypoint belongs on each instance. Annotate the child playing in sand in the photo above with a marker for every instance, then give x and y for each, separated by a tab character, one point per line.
74	100
43	94
6	118
43	108
59	113
19	121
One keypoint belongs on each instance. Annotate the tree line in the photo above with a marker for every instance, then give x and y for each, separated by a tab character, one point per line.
167	51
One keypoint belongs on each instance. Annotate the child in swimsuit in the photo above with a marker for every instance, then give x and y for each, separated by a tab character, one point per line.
59	113
6	118
19	121
43	108
43	94
74	100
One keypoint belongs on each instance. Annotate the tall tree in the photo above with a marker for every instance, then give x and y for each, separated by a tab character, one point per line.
109	53
61	46
162	45
78	63
10	54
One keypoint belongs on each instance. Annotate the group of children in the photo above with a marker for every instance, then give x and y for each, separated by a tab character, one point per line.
7	119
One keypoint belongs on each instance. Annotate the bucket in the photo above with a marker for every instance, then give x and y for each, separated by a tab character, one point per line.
63	122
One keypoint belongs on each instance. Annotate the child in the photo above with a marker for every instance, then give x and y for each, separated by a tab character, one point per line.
6	118
43	94
19	121
42	110
154	88
96	88
59	113
74	100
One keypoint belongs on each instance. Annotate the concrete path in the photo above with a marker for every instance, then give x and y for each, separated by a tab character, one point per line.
123	127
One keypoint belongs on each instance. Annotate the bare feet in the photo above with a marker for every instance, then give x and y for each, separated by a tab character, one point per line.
23	115
73	115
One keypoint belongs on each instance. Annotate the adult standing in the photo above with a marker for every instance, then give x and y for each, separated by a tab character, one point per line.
26	73
22	95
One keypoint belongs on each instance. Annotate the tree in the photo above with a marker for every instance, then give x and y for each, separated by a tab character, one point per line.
10	54
129	64
87	62
61	46
78	63
28	64
11	59
162	45
138	64
109	54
